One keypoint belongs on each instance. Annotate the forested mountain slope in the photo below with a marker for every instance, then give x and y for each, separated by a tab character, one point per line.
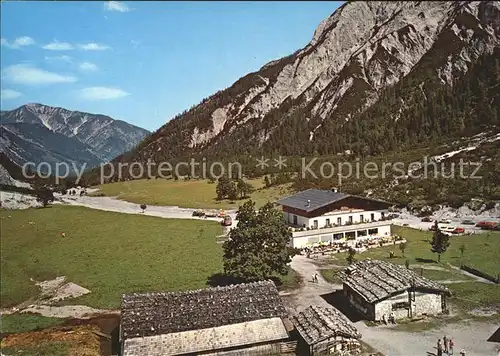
376	76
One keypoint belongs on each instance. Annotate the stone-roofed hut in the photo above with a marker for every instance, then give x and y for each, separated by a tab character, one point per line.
379	288
325	331
244	319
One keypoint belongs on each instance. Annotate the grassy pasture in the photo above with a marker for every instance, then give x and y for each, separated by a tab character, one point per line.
187	194
108	253
482	251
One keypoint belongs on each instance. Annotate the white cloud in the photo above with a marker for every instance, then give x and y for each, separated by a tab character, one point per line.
102	93
92	46
9	94
18	42
58	46
88	67
29	75
63	58
116	6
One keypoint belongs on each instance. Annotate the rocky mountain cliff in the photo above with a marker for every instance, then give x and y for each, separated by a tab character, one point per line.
365	83
36	133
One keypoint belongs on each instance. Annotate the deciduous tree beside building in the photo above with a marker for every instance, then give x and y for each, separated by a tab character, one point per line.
257	248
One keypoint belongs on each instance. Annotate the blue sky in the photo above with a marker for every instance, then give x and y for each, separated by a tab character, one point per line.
142	62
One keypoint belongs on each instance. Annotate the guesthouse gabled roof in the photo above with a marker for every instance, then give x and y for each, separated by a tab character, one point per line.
316	324
313	199
376	280
148	314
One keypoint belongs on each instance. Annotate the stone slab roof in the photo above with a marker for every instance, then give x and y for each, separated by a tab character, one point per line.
316	324
206	340
376	280
148	314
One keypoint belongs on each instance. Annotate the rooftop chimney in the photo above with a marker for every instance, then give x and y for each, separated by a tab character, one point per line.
308	202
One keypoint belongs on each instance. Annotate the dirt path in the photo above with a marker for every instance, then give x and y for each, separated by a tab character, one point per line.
309	293
477	278
470	336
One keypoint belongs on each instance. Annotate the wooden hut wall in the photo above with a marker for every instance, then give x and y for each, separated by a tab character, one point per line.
361	305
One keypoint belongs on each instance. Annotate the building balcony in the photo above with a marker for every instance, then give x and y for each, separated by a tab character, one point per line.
301	232
304	228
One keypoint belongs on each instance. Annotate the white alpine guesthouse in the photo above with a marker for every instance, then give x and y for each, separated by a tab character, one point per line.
327	216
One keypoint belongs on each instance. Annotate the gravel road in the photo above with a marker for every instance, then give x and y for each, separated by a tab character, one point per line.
121	206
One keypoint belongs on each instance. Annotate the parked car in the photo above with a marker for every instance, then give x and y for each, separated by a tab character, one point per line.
449	229
445	221
211	214
227	221
427	219
458	230
199	213
487	225
468	222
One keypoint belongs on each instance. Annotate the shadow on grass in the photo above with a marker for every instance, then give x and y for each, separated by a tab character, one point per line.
338	300
222	280
424	260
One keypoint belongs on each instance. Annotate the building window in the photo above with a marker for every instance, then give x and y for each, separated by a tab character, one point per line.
373	231
339	221
351	235
382	214
338	236
372	217
401	305
327	222
350	219
295	220
315	224
361	217
362	233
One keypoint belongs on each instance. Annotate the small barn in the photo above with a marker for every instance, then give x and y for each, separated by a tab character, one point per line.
378	289
325	331
244	319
